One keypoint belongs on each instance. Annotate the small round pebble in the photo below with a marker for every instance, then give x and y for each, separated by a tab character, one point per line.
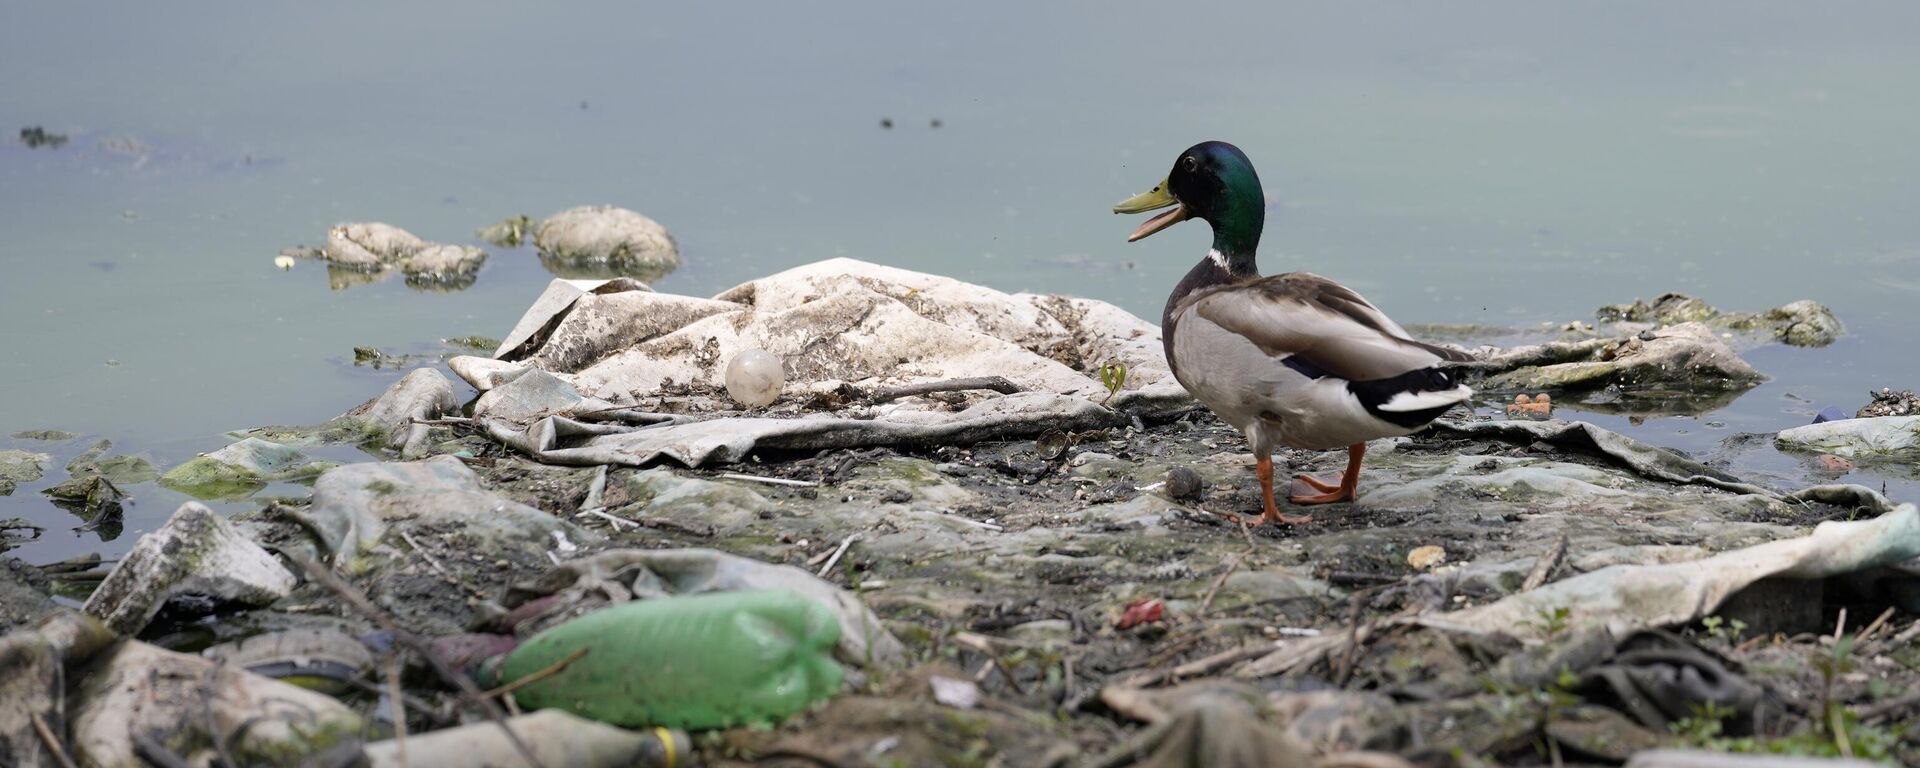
1183	483
755	378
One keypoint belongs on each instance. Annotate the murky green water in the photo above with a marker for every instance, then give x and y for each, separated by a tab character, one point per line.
1504	163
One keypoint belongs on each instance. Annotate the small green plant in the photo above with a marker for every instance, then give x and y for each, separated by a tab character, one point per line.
1113	375
1551	621
1835	731
1723	629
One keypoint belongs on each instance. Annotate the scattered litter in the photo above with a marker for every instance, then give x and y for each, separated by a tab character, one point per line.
555	737
198	553
754	378
1142	611
739	657
960	694
1426	558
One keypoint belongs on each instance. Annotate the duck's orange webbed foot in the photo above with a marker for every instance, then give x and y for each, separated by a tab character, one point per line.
1331	493
1273	515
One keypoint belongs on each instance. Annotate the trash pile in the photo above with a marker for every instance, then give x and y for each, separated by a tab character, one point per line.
853	515
584	242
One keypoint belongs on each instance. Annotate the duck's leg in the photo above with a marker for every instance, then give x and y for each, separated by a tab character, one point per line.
1265	467
1348	481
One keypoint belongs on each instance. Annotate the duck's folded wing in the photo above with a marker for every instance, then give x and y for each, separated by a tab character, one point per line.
1312	321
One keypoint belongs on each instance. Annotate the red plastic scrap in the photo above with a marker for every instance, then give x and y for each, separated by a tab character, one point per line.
1144	611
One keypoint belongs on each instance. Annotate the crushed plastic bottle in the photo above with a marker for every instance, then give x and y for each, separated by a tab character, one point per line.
696	662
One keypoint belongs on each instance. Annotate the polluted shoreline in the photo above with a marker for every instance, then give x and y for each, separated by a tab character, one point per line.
957	526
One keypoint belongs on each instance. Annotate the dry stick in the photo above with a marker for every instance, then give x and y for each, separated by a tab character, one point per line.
1867	634
1207	602
1012	682
53	743
596	490
399	706
1145	677
1544	567
831	561
437	567
998	384
1887	709
767	480
427	556
616	522
422	706
550	670
1176	648
1840	627
1909	634
1066	687
1350	656
469	693
152	751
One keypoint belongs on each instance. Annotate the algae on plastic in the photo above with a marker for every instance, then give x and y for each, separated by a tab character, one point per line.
735	658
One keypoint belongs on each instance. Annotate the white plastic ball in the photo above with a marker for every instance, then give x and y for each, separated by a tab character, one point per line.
755	378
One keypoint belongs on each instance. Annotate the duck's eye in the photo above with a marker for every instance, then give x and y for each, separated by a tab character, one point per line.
1192	163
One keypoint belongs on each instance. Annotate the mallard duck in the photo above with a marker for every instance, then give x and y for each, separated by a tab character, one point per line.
1292	359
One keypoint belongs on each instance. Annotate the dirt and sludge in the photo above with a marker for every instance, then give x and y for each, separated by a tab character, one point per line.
1027	572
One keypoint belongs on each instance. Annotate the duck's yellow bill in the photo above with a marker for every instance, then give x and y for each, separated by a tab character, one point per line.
1158	197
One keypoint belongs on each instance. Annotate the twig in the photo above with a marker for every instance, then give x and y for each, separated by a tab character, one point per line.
437	567
1867	634
399	705
444	420
1840	626
1207	602
767	480
1887	709
427	556
1350	655
1175	648
469	693
1909	634
151	750
53	743
1201	666
998	384
1544	567
596	490
831	561
670	524
1012	682
615	521
551	670
974	523
1355	578
418	704
1066	678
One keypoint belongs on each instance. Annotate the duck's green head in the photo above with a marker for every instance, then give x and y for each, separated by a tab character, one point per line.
1214	181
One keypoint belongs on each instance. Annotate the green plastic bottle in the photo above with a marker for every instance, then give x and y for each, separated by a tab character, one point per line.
695	662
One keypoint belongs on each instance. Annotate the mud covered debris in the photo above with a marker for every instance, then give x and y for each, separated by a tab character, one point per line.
196	553
1801	323
1887	402
605	242
18	466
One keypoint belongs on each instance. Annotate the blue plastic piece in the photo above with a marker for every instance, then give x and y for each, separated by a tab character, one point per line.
1831	413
